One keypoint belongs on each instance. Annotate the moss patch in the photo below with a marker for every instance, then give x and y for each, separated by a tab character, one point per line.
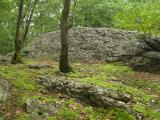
113	76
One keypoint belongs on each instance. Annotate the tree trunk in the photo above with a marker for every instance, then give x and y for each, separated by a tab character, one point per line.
64	63
29	20
18	39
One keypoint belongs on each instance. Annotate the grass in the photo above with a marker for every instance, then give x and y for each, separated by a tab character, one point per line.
113	76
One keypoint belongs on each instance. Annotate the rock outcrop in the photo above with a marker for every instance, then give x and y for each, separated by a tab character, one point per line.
94	95
101	44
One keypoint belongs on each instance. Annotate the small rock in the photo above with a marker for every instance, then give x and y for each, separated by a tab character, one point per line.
4	60
4	90
39	109
39	66
43	91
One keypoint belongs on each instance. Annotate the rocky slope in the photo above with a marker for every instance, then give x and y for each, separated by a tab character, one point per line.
101	44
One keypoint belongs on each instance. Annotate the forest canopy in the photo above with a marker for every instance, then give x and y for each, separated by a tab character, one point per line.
138	15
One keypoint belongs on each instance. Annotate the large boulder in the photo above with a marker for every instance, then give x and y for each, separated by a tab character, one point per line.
99	44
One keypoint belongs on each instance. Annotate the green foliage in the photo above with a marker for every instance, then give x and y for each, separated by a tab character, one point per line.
47	18
95	13
140	16
7	25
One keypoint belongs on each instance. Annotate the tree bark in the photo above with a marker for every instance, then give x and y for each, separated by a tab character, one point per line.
64	62
18	39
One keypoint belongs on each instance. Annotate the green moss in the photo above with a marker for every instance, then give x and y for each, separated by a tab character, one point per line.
19	76
94	114
102	76
105	75
52	118
119	114
67	114
23	117
48	99
116	69
24	85
108	70
78	111
147	112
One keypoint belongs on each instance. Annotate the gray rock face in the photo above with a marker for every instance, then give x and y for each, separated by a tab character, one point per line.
4	90
88	93
99	44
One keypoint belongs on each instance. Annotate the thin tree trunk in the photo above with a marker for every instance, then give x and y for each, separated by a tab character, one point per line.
18	39
29	20
64	63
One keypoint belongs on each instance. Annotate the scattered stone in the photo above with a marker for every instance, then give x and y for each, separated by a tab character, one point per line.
43	91
116	81
4	90
139	116
39	66
158	110
4	60
39	110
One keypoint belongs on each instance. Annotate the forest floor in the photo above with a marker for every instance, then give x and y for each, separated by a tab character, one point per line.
144	87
